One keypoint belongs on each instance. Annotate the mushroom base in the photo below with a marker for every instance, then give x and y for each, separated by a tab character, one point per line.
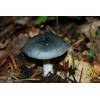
47	68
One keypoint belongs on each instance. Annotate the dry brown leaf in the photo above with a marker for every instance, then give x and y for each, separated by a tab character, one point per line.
79	42
22	20
33	32
86	73
18	43
97	48
89	29
96	71
69	57
6	30
4	68
4	45
90	45
61	74
3	57
37	72
80	65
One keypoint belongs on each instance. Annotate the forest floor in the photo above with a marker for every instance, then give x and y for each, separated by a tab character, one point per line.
81	63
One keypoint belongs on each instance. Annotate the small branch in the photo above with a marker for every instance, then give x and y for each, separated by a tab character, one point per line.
81	76
3	78
51	29
13	61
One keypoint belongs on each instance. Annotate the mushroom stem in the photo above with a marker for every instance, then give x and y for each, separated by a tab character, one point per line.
47	68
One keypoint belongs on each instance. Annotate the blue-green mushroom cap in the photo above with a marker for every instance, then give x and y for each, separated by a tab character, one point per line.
45	46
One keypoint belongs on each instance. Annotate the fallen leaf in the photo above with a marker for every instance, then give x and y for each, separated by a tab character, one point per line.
18	43
97	48
37	72
6	30
89	29
33	32
61	74
4	45
3	57
86	73
96	70
4	69
22	20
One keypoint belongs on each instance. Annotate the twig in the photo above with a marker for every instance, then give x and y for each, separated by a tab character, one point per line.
37	72
81	76
51	29
6	30
3	45
19	80
3	78
13	61
57	24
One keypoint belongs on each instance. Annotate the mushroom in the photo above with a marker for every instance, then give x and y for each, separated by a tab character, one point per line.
45	47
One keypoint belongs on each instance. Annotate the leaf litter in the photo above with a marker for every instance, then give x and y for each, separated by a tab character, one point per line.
81	64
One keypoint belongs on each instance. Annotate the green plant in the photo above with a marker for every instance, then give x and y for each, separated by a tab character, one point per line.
40	19
98	31
91	53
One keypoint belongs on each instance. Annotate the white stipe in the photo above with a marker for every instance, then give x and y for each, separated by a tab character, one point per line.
47	68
